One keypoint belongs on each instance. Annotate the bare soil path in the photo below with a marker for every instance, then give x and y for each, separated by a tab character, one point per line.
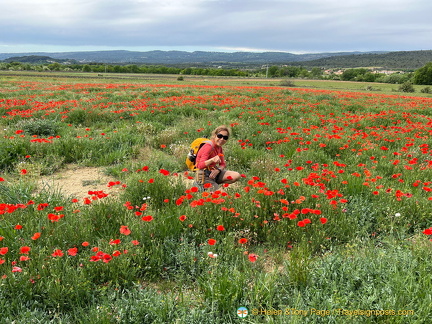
75	181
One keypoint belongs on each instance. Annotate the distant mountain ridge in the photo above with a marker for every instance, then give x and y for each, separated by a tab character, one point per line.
179	57
37	59
402	60
406	60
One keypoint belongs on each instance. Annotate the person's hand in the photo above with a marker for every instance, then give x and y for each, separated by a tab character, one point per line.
216	159
214	173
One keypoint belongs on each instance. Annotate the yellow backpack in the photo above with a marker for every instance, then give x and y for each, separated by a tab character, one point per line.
193	151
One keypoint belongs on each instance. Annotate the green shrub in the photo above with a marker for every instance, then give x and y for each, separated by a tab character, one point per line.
40	127
406	87
426	90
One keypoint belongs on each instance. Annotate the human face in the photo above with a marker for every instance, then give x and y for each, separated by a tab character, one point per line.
220	138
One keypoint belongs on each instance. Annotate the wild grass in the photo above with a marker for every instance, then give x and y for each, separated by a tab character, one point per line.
325	225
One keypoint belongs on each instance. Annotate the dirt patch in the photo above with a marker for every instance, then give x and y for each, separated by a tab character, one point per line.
76	182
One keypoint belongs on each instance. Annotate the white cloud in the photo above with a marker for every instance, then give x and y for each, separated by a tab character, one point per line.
284	25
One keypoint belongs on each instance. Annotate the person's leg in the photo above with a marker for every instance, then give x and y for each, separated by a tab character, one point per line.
228	177
212	182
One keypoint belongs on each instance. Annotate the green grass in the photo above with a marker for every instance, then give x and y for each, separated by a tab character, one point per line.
366	87
357	166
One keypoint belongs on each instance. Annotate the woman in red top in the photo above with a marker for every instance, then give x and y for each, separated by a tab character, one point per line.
210	158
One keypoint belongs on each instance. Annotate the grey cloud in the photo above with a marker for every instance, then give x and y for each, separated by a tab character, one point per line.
307	25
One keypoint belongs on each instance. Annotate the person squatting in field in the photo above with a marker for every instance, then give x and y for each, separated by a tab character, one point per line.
210	162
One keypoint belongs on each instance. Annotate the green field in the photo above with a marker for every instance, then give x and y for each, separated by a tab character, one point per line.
367	87
330	222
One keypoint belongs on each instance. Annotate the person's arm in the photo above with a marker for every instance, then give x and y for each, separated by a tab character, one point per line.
205	157
222	164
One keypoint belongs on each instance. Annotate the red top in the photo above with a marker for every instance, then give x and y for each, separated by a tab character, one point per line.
206	152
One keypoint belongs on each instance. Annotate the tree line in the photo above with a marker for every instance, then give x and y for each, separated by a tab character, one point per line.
421	76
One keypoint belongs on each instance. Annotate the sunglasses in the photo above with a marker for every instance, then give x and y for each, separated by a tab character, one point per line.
225	137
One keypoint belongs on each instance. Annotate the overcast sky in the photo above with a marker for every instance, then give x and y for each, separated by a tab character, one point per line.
295	26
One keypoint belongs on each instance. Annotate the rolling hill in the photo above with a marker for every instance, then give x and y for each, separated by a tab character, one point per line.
406	60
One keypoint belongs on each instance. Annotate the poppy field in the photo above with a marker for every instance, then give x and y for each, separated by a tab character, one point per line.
331	220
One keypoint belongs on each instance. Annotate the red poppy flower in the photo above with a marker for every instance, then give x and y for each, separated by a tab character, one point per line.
53	217
73	251
252	257
211	241
182	218
57	253
220	228
4	250
427	231
147	218
164	172
114	242
94	258
243	240
25	249
323	220
106	258
124	230
36	236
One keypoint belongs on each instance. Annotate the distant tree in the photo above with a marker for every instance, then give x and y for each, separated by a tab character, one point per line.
423	75
367	77
86	68
304	73
407	87
353	74
316	73
132	68
188	70
117	69
394	78
55	66
348	75
273	71
290	71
